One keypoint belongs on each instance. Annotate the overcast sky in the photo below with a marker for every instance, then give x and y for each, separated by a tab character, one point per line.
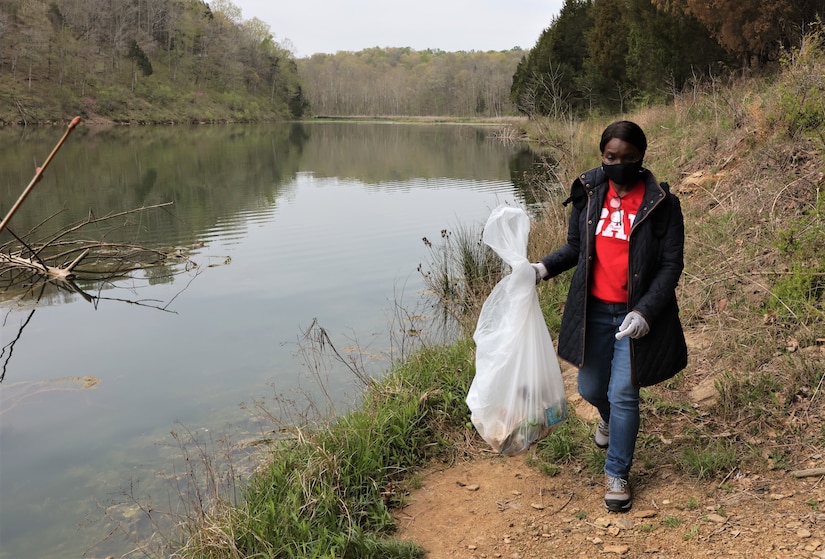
330	26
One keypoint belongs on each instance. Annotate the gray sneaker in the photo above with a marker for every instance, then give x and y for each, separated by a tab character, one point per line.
618	497
602	435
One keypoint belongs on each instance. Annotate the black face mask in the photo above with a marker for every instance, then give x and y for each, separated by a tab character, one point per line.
623	173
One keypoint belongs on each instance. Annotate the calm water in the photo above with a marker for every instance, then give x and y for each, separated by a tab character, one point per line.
288	223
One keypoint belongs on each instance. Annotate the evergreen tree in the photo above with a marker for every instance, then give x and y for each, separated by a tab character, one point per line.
544	82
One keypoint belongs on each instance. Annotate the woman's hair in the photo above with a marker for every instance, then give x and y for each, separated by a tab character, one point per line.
625	130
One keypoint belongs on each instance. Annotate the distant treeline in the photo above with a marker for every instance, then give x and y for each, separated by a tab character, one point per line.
607	54
134	60
191	61
405	82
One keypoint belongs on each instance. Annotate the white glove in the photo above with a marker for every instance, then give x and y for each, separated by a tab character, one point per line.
633	325
541	271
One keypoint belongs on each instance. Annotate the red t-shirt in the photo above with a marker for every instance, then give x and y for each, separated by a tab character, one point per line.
612	242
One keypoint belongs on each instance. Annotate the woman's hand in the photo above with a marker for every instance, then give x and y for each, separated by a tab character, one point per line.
541	271
633	325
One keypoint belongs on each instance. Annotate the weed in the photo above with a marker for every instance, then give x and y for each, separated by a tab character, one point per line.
671	522
801	102
691	534
564	443
461	274
416	481
594	460
778	460
550	470
755	396
656	404
714	458
692	503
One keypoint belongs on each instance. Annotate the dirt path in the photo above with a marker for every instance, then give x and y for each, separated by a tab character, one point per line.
497	507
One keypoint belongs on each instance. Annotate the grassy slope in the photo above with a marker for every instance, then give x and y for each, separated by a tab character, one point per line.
157	99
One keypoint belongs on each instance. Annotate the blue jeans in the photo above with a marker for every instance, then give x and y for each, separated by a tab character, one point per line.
604	381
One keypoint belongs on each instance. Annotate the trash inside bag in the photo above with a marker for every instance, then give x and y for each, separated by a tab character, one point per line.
517	394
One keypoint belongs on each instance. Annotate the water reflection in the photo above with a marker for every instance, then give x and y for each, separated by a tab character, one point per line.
285	224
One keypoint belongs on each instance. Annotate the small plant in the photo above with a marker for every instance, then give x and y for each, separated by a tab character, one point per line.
565	443
691	534
671	522
801	102
778	460
461	274
659	406
755	398
550	470
692	503
594	461
416	481
581	515
646	440
714	458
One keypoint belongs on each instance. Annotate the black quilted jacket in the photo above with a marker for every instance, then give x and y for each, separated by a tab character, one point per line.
656	256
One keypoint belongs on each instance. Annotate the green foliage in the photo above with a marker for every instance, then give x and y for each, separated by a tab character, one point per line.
565	443
328	491
298	103
802	90
671	521
461	274
657	405
187	47
156	93
403	82
691	534
756	395
139	57
714	458
581	63
800	292
543	83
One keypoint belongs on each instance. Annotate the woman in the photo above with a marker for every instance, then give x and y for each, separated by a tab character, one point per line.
620	325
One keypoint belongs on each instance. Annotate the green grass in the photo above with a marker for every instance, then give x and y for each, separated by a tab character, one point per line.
328	490
671	522
709	460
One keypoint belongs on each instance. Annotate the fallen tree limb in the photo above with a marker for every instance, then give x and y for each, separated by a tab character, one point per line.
50	272
38	173
813	472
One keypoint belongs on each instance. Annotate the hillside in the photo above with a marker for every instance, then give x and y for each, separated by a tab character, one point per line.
731	454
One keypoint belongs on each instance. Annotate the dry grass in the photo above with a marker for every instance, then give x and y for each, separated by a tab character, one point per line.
750	180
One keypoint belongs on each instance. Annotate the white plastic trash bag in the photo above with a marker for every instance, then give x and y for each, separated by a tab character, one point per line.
517	394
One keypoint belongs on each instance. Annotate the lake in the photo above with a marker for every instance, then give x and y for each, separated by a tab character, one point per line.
287	225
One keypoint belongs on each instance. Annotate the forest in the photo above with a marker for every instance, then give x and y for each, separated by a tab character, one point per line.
172	61
142	61
613	55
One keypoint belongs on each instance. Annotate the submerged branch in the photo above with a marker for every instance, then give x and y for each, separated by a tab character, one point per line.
61	259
